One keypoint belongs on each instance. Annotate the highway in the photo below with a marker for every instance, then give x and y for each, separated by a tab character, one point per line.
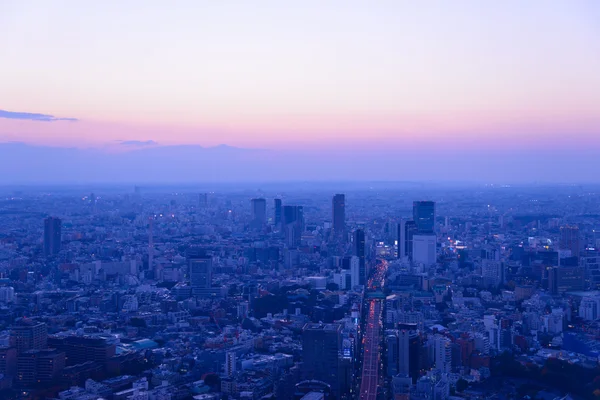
372	338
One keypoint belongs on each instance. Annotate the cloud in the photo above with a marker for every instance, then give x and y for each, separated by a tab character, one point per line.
138	142
33	116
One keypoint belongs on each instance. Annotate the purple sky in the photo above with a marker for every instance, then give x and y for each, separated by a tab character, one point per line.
513	80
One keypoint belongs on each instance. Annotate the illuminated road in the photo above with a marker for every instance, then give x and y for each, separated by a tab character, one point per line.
372	339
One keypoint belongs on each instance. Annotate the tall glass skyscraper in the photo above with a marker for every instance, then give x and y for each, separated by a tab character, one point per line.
339	214
259	213
52	235
424	216
277	217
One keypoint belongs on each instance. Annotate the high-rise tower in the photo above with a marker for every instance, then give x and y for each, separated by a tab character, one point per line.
358	249
52	236
259	213
424	216
277	212
339	214
321	348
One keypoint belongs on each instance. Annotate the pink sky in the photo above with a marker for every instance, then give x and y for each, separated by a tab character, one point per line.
346	73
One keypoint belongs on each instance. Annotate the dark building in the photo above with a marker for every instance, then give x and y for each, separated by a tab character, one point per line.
200	267
566	279
35	367
293	225
8	361
277	207
312	389
80	349
424	216
410	230
52	235
28	334
321	348
409	350
293	214
569	239
259	213
338	208
358	249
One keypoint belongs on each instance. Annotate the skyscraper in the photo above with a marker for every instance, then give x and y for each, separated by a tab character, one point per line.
52	235
293	225
569	239
259	213
358	247
410	230
277	216
409	349
424	216
401	236
321	348
200	266
339	214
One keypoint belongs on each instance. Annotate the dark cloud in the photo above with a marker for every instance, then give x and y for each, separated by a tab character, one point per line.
138	142
32	116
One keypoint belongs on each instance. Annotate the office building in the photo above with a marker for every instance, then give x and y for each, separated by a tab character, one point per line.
80	349
570	240
277	212
321	349
259	213
401	239
591	265
352	264
358	250
410	230
493	272
28	334
424	249
409	350
52	236
39	367
391	346
339	215
200	267
293	225
565	279
424	216
8	361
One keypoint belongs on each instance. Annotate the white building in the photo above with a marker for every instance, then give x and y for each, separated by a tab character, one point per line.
442	348
7	294
424	249
230	363
589	308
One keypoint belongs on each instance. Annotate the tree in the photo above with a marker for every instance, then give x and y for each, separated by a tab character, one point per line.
212	380
461	385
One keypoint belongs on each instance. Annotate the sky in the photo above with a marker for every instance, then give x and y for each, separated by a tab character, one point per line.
431	76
